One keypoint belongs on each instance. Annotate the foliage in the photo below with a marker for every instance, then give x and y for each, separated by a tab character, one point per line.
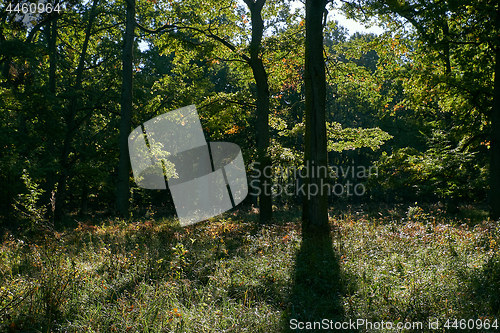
397	86
28	204
442	172
340	139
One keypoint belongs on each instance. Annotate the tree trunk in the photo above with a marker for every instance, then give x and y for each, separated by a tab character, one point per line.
51	34
495	134
122	186
70	120
262	123
315	203
52	44
446	46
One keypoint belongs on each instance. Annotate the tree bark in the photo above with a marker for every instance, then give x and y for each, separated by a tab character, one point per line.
51	34
122	186
446	46
262	100
495	133
70	120
52	44
315	203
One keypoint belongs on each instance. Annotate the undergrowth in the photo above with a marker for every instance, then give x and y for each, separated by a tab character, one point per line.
232	275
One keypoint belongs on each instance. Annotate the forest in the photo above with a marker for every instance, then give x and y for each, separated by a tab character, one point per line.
249	166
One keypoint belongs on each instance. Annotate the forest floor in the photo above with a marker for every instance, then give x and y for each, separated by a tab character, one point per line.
230	274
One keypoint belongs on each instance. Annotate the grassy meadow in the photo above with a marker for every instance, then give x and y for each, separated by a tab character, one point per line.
230	274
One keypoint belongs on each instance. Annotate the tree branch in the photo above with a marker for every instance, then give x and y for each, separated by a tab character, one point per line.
172	27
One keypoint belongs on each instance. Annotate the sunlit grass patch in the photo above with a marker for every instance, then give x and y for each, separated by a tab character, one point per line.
413	269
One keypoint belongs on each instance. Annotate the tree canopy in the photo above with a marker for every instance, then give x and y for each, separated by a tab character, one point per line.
419	102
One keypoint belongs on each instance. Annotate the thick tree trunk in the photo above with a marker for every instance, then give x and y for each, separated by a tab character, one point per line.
70	121
51	35
446	47
262	124
122	186
315	203
52	45
495	135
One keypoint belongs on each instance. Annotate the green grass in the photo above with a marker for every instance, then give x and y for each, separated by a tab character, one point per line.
232	275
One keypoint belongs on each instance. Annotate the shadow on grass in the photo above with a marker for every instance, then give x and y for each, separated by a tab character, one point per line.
316	294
